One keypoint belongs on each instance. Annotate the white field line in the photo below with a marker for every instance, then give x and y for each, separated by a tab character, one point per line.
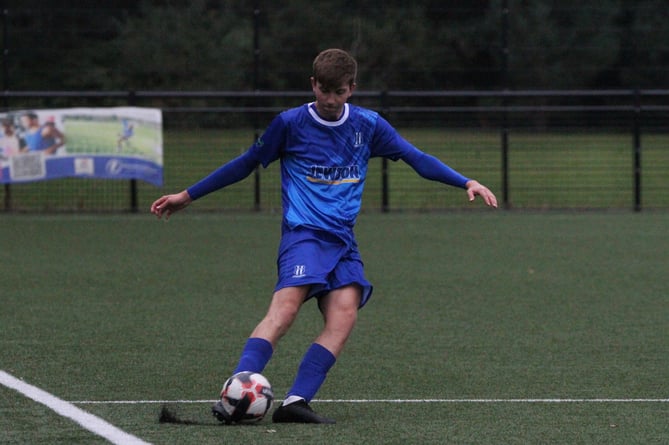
452	401
66	409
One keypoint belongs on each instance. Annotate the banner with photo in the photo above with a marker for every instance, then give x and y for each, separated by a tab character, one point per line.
108	143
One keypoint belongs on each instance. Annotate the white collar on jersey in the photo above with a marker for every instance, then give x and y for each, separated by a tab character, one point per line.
320	120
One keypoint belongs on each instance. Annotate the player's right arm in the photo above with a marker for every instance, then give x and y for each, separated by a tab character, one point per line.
168	204
264	151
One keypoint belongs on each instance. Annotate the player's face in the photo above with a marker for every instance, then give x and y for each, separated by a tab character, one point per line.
330	101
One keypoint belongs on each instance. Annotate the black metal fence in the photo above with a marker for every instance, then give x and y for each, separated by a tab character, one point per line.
577	149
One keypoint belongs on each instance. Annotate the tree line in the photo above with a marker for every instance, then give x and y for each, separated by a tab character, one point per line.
269	45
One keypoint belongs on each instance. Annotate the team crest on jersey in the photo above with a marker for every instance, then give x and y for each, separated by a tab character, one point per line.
357	142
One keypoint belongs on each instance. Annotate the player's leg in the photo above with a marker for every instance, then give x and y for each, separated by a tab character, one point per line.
259	347
280	316
340	312
304	263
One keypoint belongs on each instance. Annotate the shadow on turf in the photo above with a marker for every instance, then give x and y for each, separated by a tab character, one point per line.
170	415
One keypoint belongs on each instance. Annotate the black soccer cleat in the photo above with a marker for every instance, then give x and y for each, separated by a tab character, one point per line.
237	414
299	412
219	412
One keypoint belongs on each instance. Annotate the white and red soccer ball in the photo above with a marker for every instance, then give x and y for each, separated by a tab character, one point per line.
247	396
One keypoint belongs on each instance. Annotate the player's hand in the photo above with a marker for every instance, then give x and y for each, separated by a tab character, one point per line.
475	188
168	204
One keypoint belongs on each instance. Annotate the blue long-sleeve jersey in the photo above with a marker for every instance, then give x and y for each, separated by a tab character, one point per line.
324	164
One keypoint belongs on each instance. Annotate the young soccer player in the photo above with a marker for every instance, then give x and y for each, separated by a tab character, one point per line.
324	148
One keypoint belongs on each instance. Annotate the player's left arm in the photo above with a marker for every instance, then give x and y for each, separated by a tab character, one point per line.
430	167
475	188
387	142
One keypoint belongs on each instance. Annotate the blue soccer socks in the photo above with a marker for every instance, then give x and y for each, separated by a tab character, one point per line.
255	355
312	372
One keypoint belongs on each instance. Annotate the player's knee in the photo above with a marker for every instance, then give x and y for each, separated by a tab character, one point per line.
286	315
281	317
341	316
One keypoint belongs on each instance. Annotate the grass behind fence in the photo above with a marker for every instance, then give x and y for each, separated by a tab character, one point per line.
570	169
467	306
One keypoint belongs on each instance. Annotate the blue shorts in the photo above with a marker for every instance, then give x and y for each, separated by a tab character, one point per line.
322	260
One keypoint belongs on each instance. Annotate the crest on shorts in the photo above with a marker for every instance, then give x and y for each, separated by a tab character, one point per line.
299	271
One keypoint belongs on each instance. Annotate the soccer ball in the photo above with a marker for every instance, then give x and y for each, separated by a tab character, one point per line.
247	396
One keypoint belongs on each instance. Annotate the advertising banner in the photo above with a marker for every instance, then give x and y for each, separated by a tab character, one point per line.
107	143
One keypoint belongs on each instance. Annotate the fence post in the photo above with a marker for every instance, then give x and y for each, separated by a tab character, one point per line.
637	150
504	81
8	198
134	208
5	53
385	200
505	157
256	77
5	84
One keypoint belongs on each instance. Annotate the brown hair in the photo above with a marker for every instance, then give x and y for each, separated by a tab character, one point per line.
334	67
